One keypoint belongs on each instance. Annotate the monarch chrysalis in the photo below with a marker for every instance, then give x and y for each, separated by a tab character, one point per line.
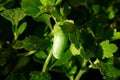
59	41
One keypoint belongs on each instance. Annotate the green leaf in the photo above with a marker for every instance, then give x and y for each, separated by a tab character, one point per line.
96	8
7	57
96	23
111	12
112	71
73	70
51	2
64	59
74	50
68	26
44	18
48	2
14	15
107	69
74	38
35	75
108	49
2	8
18	44
35	43
44	2
109	34
56	14
87	40
31	7
112	34
100	30
65	10
116	35
6	4
65	64
83	54
41	55
58	2
22	62
4	56
22	28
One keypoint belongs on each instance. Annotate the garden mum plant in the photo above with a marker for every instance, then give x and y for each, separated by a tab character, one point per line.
59	40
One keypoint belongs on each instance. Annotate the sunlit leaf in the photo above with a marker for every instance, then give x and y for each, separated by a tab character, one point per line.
108	49
31	7
44	2
58	2
14	15
116	35
48	2
112	34
73	70
22	28
74	50
111	12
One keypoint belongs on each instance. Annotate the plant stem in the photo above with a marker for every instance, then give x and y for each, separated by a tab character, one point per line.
47	61
82	70
30	53
50	26
80	73
15	37
70	77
